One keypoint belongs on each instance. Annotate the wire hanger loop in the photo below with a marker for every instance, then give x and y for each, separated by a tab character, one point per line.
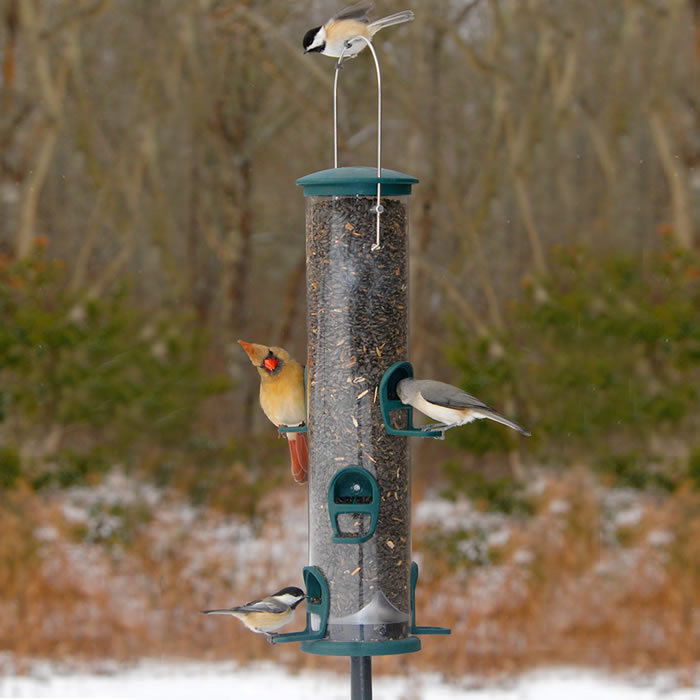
378	208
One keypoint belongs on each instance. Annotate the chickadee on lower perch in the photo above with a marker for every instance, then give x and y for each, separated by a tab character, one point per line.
267	615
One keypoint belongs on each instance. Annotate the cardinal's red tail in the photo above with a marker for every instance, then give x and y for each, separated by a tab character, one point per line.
299	452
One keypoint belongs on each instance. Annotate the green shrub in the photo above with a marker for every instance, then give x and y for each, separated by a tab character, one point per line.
10	467
90	382
598	357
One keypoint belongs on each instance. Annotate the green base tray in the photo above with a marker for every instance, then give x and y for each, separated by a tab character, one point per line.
325	647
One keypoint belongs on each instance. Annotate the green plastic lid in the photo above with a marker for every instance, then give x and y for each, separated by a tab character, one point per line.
356	180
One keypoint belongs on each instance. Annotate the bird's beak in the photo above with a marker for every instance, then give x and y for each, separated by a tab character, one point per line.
248	347
254	352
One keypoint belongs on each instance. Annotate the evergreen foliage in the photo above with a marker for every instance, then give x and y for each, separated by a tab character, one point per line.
602	362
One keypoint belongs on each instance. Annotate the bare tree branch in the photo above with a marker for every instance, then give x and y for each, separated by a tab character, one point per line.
675	175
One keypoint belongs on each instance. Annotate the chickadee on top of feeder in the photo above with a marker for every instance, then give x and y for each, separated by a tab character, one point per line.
339	34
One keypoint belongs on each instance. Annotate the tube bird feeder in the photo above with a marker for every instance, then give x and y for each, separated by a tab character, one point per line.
359	485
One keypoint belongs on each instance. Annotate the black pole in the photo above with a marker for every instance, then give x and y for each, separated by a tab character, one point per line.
361	677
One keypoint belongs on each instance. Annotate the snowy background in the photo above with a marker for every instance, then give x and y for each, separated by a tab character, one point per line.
226	681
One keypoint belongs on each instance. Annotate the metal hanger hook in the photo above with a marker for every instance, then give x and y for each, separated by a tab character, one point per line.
378	208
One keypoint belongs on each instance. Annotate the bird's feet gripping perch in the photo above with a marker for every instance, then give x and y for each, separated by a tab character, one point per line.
436	427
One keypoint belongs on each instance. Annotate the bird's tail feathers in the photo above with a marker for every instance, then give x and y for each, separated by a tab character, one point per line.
226	611
299	452
388	21
492	415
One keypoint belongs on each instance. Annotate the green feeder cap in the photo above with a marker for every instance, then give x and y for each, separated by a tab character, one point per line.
356	180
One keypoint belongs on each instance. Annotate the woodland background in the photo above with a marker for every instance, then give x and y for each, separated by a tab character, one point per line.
149	218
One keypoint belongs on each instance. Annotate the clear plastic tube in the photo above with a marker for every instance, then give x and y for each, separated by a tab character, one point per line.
357	324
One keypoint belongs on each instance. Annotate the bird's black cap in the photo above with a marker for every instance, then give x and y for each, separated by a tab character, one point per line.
309	38
291	590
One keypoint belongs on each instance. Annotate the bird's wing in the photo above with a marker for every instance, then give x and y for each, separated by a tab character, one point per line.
359	11
268	605
447	395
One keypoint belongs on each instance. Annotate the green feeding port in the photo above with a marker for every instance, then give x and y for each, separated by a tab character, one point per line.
415	629
389	401
353	505
356	180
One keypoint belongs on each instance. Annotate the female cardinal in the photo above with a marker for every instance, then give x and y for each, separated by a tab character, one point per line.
282	398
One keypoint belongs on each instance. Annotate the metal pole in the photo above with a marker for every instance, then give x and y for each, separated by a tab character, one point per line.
361	678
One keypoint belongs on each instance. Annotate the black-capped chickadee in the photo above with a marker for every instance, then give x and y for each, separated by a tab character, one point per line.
267	614
339	31
448	404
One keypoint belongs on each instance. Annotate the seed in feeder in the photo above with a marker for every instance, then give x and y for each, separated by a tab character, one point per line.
390	544
358	296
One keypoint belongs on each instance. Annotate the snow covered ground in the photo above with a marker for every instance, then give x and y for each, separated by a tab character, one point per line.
212	681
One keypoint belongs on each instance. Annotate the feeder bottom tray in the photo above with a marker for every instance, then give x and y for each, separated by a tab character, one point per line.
325	647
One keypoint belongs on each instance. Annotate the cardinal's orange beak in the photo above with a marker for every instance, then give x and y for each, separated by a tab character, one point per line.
248	347
256	353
